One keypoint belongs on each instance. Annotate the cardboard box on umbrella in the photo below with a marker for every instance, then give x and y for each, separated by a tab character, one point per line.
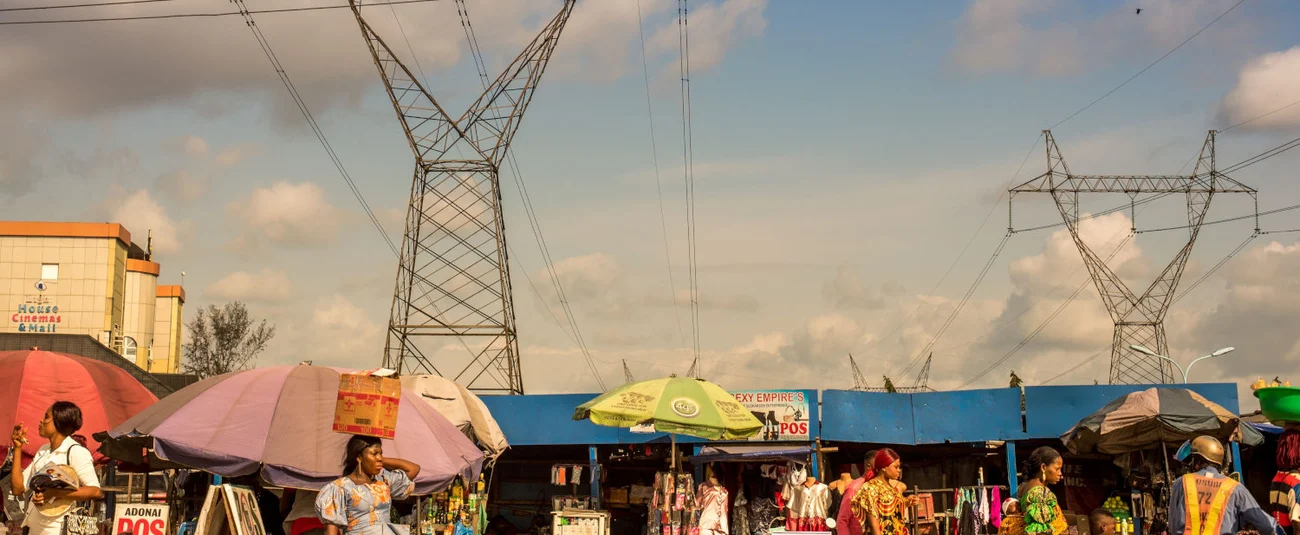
367	405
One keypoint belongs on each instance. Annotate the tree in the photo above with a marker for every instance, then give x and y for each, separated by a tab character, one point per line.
889	386
223	340
1015	380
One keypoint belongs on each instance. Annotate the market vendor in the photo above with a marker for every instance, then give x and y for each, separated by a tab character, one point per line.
1282	490
1205	502
361	502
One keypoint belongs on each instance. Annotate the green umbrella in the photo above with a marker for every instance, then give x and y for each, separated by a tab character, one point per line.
674	405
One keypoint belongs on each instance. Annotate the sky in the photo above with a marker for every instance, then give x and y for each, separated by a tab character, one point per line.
850	159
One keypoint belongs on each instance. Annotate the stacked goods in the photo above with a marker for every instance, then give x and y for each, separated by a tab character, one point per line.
1117	507
1278	401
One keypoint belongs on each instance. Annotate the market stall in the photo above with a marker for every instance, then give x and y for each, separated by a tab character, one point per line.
960	446
620	464
1138	433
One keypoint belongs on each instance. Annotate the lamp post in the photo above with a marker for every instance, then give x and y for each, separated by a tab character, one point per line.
1145	351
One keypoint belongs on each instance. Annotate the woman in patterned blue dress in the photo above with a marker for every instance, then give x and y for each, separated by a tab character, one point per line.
361	502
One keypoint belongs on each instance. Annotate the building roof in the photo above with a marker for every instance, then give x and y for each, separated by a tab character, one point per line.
65	230
172	290
143	266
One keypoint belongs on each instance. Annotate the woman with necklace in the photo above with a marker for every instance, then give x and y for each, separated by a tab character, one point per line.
361	502
880	505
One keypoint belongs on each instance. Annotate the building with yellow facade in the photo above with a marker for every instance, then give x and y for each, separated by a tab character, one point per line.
90	279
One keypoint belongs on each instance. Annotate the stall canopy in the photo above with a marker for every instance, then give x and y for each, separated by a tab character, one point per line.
752	453
461	407
1152	417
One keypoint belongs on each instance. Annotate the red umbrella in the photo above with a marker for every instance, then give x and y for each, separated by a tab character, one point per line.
107	395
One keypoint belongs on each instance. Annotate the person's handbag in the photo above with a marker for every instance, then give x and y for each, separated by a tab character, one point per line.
77	522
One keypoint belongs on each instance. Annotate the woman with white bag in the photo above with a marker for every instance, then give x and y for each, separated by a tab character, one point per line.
65	468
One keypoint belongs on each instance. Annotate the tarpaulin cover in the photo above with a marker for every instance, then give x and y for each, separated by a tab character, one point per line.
1154	416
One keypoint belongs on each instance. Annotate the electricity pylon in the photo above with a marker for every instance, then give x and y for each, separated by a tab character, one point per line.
453	277
1138	319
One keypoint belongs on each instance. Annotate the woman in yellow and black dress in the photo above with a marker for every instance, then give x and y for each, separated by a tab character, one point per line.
880	505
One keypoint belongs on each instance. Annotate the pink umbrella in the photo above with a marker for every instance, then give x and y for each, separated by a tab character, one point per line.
279	420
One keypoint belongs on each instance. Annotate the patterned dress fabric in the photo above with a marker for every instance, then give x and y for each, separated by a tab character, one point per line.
364	509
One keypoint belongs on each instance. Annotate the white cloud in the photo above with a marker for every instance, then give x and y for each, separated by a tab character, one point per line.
140	214
296	215
269	285
715	28
1264	85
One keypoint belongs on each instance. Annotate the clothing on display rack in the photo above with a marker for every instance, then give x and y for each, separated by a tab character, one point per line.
995	508
967	524
740	518
808	506
674	509
566	474
762	511
713	509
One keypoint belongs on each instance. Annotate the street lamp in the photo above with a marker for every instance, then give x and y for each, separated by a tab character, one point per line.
1145	351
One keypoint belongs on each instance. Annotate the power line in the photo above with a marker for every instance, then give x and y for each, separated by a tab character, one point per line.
688	171
993	208
1148	67
988	266
1081	364
659	189
1043	325
533	221
203	15
1258	117
71	6
289	86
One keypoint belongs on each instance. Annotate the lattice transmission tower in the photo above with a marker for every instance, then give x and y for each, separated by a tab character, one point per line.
453	277
1138	319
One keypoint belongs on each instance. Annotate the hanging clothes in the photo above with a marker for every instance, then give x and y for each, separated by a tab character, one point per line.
995	508
833	508
810	509
984	513
967	525
740	518
713	509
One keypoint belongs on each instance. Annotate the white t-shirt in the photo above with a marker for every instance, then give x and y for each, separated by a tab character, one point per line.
74	455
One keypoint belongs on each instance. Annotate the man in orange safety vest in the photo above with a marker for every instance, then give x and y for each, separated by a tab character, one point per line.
1205	502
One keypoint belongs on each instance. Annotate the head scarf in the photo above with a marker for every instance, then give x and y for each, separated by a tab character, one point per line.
881	461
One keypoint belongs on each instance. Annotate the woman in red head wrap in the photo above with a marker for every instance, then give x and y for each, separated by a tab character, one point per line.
880	504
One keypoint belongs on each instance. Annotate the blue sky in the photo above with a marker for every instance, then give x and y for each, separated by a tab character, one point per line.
845	152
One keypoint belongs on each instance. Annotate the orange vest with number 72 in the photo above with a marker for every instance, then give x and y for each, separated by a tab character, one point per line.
1205	497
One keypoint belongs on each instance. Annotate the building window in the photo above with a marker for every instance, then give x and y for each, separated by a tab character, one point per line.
49	272
128	347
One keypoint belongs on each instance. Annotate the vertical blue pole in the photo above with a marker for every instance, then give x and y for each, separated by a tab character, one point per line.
812	468
595	476
699	468
1236	460
1011	469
